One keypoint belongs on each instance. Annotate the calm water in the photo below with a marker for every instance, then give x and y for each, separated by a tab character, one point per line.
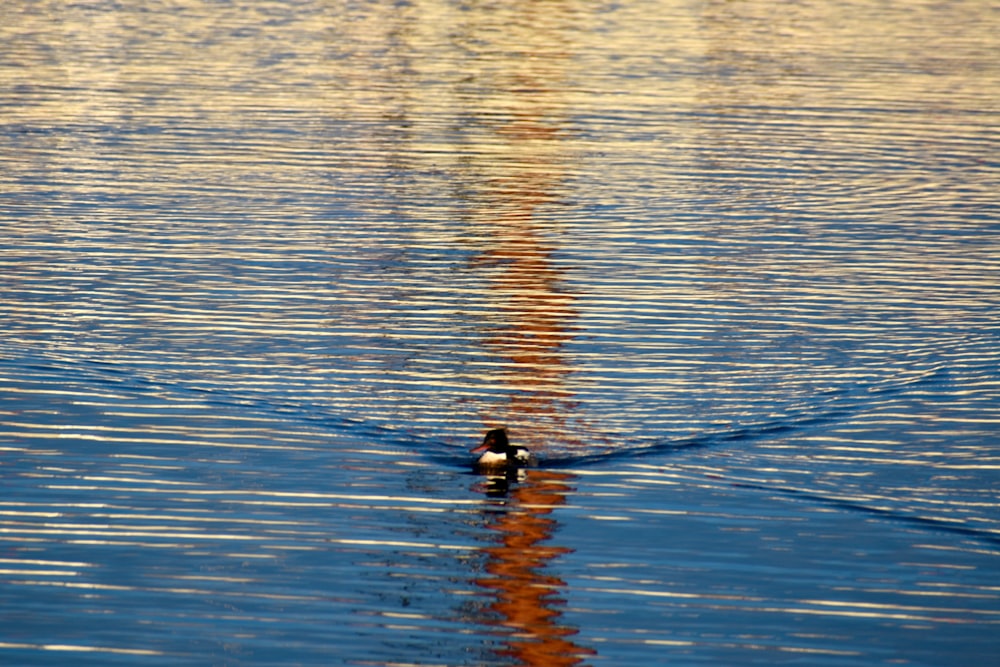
268	269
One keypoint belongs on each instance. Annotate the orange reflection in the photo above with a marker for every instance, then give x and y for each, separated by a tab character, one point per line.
525	595
530	317
530	322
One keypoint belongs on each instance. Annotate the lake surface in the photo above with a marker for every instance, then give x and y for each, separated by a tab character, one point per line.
269	269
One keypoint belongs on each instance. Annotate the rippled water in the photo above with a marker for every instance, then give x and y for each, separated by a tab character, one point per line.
270	268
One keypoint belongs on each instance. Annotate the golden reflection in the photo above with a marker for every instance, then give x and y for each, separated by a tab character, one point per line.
516	168
524	594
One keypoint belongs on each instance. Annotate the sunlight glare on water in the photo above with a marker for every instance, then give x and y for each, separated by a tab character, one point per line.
269	269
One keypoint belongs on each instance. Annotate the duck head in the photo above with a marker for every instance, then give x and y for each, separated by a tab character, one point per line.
495	441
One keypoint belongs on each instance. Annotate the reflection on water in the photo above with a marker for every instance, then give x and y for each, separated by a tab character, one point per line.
271	268
529	318
526	597
518	168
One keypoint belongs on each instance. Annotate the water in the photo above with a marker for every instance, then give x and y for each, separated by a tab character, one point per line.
269	269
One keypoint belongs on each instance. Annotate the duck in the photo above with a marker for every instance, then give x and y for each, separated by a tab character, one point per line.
498	455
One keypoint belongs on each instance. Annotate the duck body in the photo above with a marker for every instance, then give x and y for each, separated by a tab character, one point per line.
498	455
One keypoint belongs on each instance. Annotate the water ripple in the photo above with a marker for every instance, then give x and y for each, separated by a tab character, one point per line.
270	269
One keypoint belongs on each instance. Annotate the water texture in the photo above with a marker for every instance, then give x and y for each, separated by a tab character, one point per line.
269	269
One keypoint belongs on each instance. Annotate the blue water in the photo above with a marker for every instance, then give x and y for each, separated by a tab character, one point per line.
269	270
